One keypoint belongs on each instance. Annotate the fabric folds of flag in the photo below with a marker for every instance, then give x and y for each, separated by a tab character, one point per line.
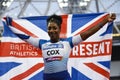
89	60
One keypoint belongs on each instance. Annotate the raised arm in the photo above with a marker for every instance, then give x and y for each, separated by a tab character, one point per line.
94	29
32	40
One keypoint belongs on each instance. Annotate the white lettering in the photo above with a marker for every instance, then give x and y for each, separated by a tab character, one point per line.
101	48
95	48
108	46
26	53
75	51
88	47
22	47
82	49
92	49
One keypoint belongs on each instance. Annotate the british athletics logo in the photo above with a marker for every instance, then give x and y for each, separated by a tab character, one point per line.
89	60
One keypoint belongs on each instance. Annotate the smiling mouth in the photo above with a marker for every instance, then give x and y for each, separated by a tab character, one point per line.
52	36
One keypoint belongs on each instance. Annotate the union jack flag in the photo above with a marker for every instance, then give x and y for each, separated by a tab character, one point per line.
90	60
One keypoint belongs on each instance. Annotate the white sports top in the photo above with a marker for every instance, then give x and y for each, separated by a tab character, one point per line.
55	55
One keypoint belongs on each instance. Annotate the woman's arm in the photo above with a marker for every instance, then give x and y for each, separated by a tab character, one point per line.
94	29
32	40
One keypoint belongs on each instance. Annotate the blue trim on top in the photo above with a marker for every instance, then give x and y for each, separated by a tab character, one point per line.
42	41
69	40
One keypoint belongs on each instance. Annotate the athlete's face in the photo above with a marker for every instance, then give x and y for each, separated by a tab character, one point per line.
53	31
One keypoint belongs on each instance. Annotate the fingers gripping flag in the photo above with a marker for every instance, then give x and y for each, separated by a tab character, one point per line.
89	60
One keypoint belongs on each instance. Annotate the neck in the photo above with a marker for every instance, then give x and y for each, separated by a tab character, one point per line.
54	41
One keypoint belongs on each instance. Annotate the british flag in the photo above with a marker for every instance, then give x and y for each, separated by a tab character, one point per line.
90	60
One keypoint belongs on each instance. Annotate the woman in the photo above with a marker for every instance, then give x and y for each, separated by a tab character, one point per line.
56	51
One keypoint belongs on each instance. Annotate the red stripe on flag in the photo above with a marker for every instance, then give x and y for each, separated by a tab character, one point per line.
98	69
28	72
16	25
94	24
63	33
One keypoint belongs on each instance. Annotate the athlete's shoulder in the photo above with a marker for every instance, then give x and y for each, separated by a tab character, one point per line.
43	41
66	39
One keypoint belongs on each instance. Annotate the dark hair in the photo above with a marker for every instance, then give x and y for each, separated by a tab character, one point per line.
55	18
